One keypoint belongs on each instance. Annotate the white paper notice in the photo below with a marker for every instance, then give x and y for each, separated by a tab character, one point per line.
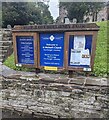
80	57
85	57
75	57
79	42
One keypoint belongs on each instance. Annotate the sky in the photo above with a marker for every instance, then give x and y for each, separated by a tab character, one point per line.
53	7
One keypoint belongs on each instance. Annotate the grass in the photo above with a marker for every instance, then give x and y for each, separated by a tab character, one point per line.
100	66
11	64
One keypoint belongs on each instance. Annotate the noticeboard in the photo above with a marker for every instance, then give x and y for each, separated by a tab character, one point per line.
25	45
25	49
81	48
80	51
56	47
52	49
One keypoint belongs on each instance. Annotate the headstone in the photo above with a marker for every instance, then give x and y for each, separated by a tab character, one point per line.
74	20
9	26
66	21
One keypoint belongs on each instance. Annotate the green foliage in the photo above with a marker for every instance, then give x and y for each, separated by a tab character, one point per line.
45	13
11	64
76	10
100	66
19	13
79	9
24	13
57	19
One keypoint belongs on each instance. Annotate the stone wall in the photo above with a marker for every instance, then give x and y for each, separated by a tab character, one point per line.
56	98
6	47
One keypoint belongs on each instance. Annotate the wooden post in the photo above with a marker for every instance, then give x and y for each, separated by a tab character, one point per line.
71	75
87	74
37	70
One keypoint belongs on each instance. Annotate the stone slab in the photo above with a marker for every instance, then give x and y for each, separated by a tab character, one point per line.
57	78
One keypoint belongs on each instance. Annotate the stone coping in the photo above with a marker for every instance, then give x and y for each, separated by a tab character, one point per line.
53	78
61	79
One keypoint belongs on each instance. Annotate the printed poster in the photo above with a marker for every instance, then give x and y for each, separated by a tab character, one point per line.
79	55
75	57
85	57
25	49
79	42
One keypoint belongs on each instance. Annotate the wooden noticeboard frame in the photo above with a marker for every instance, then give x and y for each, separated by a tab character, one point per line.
85	29
23	34
93	49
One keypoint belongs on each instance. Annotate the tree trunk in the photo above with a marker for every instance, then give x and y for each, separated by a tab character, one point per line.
96	16
92	17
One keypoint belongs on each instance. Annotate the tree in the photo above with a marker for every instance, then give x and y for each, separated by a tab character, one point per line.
76	10
57	19
94	8
79	10
45	13
12	13
33	13
24	13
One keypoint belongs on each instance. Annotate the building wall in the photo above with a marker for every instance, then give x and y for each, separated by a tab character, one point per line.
102	15
108	12
62	14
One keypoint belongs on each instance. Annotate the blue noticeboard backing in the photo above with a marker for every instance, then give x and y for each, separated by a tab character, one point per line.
25	49
52	49
88	45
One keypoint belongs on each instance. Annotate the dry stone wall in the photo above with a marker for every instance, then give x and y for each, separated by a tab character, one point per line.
6	47
56	98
